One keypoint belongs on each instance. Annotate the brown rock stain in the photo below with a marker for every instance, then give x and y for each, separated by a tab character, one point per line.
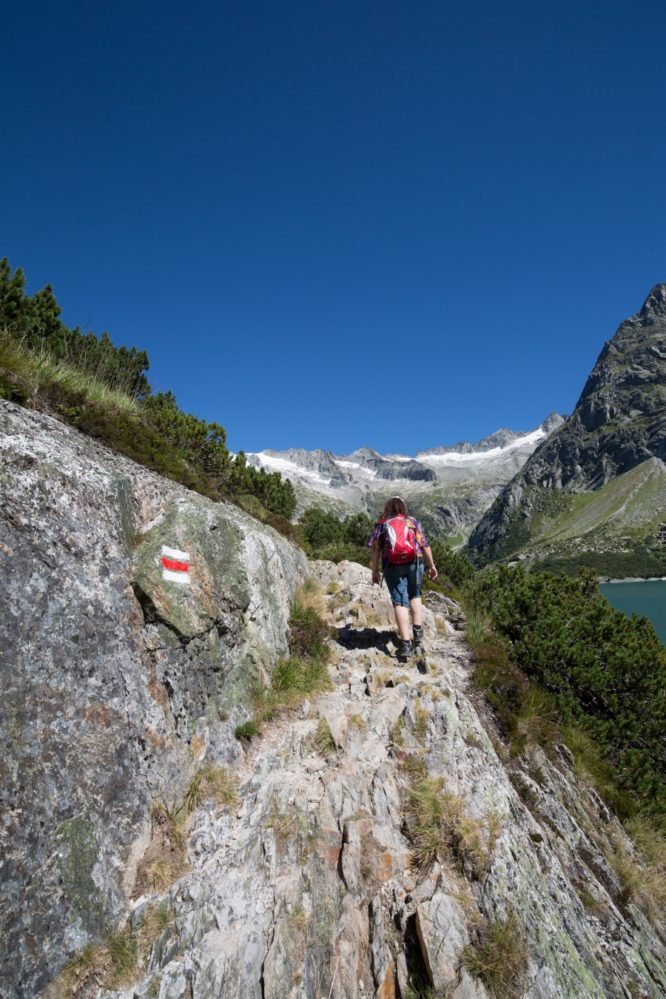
157	691
387	989
333	854
158	742
384	866
97	713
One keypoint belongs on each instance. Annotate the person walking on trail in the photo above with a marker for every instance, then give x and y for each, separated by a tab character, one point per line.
401	542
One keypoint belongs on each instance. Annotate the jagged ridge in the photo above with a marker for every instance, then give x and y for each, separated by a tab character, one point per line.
618	423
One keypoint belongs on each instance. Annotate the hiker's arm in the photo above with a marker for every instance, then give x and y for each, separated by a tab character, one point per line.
374	561
430	562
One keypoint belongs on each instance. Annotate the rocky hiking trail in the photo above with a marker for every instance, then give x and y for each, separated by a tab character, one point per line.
328	877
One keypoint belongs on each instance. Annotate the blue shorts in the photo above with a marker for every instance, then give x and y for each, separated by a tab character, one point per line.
404	581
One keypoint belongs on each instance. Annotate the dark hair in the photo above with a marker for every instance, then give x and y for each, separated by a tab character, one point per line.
395	507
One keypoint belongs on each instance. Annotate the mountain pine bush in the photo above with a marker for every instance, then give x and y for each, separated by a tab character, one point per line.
605	671
103	390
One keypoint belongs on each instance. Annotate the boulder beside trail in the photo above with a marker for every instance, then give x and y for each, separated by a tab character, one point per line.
117	675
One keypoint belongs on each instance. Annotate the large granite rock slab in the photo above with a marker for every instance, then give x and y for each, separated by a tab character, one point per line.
109	671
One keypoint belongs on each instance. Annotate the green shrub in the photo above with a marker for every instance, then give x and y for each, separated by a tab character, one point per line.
602	671
326	536
308	633
453	566
246	731
342	552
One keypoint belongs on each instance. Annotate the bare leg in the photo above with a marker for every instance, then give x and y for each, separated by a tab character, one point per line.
402	621
416	608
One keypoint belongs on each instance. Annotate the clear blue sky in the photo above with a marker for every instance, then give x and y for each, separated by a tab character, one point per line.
342	223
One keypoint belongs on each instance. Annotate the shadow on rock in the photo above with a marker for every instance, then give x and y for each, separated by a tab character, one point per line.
367	638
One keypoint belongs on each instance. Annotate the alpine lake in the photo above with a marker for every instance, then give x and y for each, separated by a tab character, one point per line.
645	597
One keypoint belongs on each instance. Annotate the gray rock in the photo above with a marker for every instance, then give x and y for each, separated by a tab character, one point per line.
114	680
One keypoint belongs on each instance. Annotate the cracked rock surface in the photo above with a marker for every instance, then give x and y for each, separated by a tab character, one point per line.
311	884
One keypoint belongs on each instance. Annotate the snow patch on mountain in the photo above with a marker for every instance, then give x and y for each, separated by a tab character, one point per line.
463	457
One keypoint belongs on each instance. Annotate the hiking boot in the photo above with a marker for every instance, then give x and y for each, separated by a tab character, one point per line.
418	638
404	649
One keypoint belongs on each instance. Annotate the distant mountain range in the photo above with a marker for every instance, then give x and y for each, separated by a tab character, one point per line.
594	492
589	489
449	487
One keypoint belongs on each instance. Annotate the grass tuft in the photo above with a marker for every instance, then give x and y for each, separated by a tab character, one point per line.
643	871
499	958
440	826
246	731
302	673
323	739
209	783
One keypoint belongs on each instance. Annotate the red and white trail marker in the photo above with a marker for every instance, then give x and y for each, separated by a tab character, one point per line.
175	565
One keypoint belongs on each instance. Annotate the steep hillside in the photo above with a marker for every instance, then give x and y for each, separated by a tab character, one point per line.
618	424
449	486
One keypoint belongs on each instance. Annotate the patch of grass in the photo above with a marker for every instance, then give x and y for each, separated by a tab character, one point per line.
246	731
209	783
590	766
75	975
156	920
421	718
590	903
499	958
323	739
123	948
421	992
115	964
356	721
398	731
440	826
300	674
479	627
332	588
526	713
308	633
309	596
165	859
161	873
154	989
38	372
643	872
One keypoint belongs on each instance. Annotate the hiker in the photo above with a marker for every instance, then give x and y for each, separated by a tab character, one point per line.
401	541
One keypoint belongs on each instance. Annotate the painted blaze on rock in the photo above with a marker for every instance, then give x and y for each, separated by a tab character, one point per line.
175	565
200	552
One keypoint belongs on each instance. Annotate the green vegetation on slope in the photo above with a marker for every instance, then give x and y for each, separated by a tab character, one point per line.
601	671
103	391
617	525
617	530
326	536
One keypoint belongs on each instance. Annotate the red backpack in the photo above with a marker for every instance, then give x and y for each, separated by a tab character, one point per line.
399	540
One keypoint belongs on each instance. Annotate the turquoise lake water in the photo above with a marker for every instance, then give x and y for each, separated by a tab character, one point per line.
647	598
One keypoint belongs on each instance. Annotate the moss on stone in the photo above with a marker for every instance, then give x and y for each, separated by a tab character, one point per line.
78	852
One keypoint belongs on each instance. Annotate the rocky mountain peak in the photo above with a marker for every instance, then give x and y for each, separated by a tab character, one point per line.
618	424
655	304
552	422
